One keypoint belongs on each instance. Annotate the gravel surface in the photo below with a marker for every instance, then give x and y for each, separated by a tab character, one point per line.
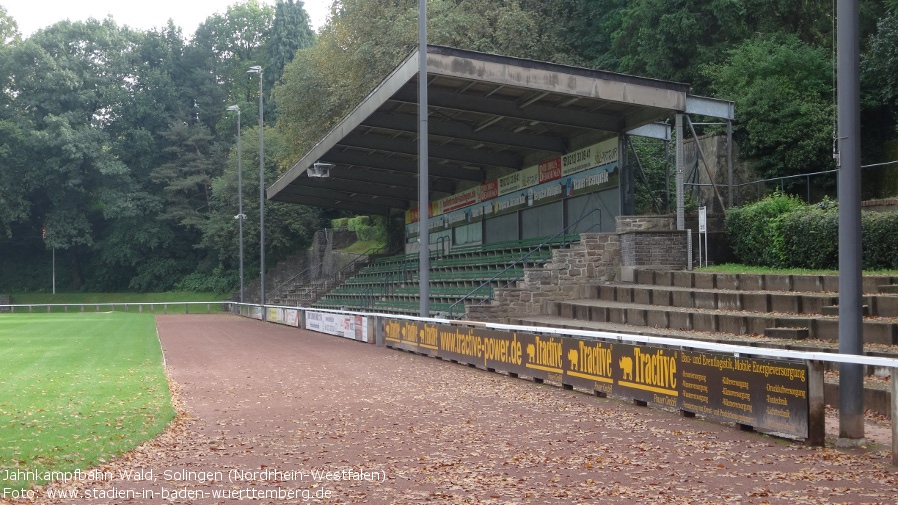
312	418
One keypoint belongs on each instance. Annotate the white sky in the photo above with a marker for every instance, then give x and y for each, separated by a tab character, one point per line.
32	15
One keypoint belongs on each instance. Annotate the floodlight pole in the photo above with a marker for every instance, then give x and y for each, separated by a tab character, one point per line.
257	69
851	376
240	217
423	175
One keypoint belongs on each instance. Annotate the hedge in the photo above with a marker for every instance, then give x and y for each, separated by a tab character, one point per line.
755	231
810	235
783	232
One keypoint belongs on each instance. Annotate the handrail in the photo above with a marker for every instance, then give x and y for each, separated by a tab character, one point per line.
334	277
291	280
441	247
521	260
368	297
112	305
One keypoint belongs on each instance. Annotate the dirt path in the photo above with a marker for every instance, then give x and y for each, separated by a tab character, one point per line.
311	418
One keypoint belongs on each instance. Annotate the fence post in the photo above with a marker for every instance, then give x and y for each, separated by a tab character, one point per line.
893	379
379	334
816	405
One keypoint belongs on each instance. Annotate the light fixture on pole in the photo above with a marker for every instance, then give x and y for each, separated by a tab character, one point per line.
320	169
257	69
240	215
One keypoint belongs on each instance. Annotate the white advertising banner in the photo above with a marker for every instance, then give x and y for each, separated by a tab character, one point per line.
346	326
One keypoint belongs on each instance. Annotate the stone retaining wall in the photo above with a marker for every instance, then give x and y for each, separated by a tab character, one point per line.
596	258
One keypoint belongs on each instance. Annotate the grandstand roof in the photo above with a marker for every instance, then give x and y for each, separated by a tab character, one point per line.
489	115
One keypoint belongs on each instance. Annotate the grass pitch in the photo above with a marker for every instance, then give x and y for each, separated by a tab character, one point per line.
77	389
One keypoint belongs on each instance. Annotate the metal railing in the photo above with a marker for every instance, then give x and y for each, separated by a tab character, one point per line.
522	260
112	307
318	287
781	182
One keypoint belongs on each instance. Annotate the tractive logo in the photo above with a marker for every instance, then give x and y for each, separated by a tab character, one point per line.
650	371
544	355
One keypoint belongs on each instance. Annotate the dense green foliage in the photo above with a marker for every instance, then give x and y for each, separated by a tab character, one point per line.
879	240
784	89
367	228
117	152
756	231
810	236
783	232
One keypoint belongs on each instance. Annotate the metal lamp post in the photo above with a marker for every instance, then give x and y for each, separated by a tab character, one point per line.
258	70
240	216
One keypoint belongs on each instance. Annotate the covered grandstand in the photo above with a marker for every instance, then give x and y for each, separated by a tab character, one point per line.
520	151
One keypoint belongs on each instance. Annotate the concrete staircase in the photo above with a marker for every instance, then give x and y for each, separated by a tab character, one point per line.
795	307
781	311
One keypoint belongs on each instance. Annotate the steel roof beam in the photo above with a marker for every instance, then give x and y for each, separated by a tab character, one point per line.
400	165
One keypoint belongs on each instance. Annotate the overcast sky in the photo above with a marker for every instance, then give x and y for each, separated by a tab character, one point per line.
32	15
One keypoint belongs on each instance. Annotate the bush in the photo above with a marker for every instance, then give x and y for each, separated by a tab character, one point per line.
810	236
782	232
756	231
366	228
219	281
879	239
340	223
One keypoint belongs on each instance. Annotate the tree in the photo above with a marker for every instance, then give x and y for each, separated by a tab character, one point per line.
673	39
186	178
223	48
879	79
288	228
366	39
9	29
70	84
783	92
290	31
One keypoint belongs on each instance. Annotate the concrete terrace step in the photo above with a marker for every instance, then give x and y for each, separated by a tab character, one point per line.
736	322
757	282
730	299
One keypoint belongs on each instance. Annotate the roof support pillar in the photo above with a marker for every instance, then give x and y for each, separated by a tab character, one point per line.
423	175
851	341
681	207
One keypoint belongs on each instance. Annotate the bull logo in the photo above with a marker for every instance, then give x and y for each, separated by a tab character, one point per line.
574	357
626	366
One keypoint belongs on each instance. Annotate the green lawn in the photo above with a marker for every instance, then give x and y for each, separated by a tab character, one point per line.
736	268
77	388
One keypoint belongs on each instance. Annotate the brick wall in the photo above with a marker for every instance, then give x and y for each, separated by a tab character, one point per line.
653	249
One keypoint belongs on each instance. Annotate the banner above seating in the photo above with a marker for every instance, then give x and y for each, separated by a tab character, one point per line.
593	168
